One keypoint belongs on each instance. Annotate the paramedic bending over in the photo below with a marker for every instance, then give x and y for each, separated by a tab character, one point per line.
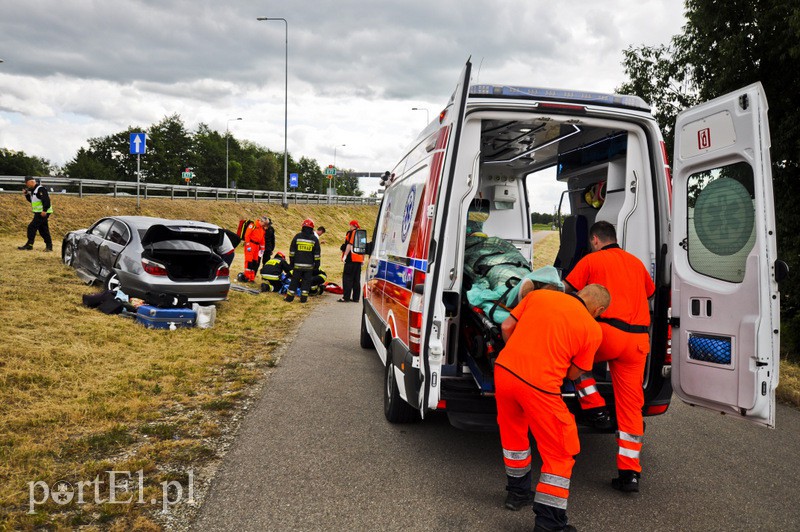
625	345
550	335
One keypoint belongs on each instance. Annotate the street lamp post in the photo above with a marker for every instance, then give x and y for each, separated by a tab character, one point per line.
285	111
427	115
334	167
227	145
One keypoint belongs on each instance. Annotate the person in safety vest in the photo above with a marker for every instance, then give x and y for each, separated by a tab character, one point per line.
351	276
39	199
318	280
549	335
274	273
304	256
625	345
255	246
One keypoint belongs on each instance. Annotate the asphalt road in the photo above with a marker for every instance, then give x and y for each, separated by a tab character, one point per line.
315	453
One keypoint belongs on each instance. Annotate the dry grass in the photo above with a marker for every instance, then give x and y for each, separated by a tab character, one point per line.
545	251
82	393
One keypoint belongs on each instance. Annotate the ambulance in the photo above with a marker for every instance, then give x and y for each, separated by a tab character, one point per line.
705	232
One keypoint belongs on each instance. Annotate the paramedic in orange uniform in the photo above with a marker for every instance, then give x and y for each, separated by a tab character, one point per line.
549	336
625	345
254	245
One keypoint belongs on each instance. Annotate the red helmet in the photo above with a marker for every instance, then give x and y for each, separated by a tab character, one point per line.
308	222
281	255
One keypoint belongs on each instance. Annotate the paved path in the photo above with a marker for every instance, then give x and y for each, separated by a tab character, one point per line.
315	453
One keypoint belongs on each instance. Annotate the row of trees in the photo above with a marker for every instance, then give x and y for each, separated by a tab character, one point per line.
171	148
725	46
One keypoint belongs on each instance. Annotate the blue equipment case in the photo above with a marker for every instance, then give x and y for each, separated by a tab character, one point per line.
160	318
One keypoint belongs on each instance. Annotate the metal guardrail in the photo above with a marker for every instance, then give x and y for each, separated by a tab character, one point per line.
95	187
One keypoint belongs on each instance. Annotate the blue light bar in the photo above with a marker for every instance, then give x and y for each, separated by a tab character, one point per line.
596	98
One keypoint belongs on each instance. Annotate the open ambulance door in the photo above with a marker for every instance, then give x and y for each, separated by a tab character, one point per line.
434	308
725	301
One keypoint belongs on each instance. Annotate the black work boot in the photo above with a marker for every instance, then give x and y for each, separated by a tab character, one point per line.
517	501
628	481
265	287
303	299
289	298
49	248
599	419
26	246
567	528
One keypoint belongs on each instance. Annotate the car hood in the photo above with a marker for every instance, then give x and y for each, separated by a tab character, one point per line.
205	234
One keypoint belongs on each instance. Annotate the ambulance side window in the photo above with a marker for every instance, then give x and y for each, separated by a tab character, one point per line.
721	221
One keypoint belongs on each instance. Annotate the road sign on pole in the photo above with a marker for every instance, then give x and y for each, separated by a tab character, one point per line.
293	180
330	171
138	143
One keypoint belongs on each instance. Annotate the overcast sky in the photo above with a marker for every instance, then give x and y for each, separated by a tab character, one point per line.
79	69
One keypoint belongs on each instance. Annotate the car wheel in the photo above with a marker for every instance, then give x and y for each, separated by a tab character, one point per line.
112	282
395	408
365	340
68	253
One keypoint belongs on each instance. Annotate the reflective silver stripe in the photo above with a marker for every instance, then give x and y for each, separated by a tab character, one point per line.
516	455
630	453
550	500
554	480
583	392
583	377
517	472
633	438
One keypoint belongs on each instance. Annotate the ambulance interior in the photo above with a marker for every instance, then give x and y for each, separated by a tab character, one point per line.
587	169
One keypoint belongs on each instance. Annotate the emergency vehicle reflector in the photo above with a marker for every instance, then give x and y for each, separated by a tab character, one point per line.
655	410
415	313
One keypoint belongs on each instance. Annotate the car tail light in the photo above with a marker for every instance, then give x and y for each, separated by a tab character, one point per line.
223	271
415	312
441	405
655	410
154	268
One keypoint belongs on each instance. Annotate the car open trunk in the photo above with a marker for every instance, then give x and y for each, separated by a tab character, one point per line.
184	260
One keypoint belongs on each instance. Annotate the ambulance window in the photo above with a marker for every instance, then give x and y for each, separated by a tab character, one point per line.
721	221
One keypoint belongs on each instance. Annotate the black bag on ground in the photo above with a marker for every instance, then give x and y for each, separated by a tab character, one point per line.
105	302
163	300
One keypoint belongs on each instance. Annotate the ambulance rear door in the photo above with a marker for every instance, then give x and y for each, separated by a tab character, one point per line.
441	257
725	301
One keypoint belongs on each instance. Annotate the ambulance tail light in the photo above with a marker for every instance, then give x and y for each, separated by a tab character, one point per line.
562	107
655	410
667	171
441	405
415	312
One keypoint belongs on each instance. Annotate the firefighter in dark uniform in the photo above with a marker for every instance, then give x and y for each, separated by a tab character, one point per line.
39	199
273	273
318	280
304	257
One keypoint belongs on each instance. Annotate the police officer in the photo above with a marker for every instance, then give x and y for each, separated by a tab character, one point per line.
550	335
304	256
625	345
274	272
39	199
351	276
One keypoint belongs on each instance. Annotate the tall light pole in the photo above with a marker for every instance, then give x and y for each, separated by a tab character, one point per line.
227	144
285	112
427	115
334	167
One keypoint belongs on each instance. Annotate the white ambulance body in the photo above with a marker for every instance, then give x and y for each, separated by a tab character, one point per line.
706	234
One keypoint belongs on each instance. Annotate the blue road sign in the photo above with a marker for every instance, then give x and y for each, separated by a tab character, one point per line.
293	180
138	142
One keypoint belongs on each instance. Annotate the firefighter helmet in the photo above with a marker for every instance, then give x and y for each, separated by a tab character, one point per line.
308	222
281	255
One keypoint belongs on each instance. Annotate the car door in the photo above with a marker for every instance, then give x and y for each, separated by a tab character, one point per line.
115	240
88	250
725	301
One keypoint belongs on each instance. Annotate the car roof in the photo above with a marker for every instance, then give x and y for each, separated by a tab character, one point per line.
145	222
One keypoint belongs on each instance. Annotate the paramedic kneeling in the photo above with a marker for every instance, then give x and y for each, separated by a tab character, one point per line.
625	344
549	336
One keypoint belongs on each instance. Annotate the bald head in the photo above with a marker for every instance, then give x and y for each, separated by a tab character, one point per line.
596	298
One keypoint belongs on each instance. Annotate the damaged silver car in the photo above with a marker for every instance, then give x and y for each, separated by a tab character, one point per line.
151	258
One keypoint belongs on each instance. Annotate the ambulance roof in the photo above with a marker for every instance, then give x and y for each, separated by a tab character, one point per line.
560	95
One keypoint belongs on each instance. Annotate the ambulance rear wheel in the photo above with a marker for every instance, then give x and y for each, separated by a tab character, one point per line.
365	340
394	408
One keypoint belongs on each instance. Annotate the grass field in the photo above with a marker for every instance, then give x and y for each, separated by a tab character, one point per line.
82	393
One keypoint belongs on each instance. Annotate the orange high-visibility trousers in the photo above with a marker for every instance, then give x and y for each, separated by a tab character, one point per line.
251	259
626	354
521	407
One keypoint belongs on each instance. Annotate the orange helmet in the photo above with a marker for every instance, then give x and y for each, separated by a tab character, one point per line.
308	222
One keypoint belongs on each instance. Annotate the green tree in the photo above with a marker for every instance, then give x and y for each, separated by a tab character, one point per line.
18	164
724	46
86	166
169	151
